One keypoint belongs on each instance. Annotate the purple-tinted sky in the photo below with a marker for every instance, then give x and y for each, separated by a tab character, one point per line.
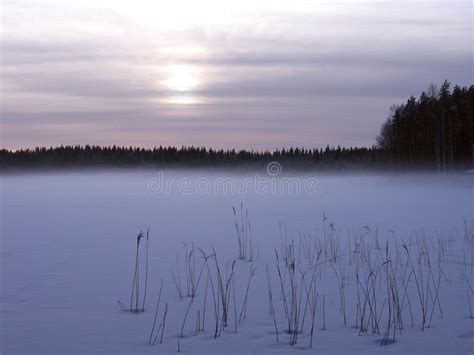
241	74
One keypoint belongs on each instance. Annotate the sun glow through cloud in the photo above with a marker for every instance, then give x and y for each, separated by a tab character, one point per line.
181	100
181	78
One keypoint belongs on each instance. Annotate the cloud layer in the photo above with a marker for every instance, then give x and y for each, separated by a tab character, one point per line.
266	77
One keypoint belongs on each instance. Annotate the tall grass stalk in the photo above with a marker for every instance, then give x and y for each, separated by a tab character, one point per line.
156	312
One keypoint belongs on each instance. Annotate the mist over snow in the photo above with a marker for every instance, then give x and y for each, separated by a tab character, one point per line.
68	249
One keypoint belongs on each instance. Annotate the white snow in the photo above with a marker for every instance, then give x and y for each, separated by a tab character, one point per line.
68	247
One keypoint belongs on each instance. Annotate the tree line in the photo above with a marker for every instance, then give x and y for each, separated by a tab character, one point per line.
435	131
75	156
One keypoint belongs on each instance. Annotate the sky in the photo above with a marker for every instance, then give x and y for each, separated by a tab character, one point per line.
223	74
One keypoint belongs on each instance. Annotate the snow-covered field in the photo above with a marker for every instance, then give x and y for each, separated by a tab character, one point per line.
68	244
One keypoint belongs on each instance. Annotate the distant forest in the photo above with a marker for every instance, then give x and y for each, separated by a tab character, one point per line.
435	132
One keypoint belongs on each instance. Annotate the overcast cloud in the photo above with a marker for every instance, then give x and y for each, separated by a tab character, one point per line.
257	75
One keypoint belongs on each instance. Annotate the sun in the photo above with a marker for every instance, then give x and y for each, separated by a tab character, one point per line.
181	78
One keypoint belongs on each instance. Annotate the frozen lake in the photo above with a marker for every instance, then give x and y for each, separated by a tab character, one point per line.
68	239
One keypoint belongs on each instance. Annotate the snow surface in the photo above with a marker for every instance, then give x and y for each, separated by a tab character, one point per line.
68	247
